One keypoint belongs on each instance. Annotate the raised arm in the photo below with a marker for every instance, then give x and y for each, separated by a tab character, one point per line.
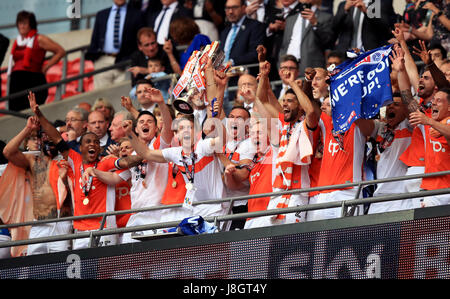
436	73
157	97
410	65
398	64
51	131
311	111
128	104
12	151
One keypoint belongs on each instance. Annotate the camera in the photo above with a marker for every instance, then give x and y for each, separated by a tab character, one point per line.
304	5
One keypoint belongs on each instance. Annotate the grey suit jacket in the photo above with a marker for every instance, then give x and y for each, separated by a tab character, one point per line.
314	42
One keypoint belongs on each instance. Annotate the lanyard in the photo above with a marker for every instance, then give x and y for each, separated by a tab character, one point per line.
189	173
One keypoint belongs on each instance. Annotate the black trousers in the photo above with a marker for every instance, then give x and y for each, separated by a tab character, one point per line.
22	80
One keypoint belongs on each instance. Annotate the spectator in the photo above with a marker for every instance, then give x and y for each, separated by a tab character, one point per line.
246	86
160	19
105	107
353	27
98	125
240	39
76	123
113	40
276	20
438	54
185	32
307	35
117	132
155	69
4	44
256	9
319	84
85	105
28	54
335	57
148	48
287	63
208	10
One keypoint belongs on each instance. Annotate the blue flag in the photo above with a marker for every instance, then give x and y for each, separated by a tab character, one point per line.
360	87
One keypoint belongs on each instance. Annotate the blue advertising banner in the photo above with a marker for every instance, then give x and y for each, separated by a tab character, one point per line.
360	87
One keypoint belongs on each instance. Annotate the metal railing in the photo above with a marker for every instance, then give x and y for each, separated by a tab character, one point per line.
345	204
88	17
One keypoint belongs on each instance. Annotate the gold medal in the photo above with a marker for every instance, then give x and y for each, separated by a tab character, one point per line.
86	201
174	184
144	184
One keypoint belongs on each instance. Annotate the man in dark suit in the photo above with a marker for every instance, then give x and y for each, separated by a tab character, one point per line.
241	37
276	20
307	35
113	40
160	19
357	25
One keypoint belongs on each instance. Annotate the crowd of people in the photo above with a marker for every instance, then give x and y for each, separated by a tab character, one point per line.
260	139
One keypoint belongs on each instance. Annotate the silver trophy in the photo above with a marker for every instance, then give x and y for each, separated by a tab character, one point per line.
189	83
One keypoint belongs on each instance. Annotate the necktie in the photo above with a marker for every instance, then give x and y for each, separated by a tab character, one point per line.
355	28
230	44
162	19
117	29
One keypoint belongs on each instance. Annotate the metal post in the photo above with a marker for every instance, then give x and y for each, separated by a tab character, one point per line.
82	61
64	75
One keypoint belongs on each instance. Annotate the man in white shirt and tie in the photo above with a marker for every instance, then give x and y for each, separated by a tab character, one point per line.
113	40
307	34
160	21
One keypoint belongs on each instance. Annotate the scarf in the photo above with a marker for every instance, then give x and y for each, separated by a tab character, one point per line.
27	42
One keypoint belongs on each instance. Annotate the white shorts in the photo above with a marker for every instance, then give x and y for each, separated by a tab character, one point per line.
331	213
84	242
436	200
142	218
413	186
47	230
5	252
295	201
389	206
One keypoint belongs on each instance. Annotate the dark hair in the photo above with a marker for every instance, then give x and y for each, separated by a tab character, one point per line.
288	57
290	90
26	16
440	48
240	107
145	112
86	133
447	91
337	54
143	81
183	30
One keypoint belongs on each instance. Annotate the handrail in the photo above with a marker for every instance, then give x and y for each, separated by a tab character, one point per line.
333	204
67	80
54	20
215	219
